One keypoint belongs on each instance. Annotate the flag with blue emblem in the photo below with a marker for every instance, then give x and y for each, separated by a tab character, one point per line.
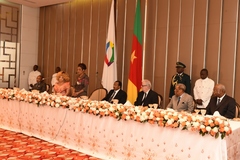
110	61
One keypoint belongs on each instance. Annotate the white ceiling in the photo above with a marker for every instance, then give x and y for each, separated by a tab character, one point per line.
38	3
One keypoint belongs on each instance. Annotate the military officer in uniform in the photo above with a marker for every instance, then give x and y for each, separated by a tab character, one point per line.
180	77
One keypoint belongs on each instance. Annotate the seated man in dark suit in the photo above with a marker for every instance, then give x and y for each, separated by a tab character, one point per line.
146	96
40	85
181	101
116	93
224	104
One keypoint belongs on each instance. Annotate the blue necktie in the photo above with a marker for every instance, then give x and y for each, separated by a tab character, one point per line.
179	98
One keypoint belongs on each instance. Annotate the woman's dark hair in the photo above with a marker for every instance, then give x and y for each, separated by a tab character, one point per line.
83	66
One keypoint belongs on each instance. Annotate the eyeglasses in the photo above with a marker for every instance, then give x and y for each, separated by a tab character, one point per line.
143	85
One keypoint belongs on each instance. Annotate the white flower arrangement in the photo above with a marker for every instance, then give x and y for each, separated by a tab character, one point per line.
213	126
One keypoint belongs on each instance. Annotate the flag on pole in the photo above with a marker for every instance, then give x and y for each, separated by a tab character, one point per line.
135	74
110	61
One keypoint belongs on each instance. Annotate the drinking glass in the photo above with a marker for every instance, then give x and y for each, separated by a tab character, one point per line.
196	111
203	112
150	105
115	101
155	105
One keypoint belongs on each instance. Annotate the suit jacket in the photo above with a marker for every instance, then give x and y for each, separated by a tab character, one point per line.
226	108
185	103
41	86
152	98
121	96
184	79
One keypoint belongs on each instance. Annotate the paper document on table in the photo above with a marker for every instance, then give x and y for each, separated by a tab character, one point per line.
128	103
216	113
45	93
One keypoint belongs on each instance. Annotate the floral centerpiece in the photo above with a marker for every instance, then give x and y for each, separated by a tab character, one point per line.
214	126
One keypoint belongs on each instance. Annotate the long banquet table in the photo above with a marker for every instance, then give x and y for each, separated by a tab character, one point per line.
108	138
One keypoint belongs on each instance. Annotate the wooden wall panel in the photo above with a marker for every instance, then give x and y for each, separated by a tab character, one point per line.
149	58
51	45
199	38
72	41
237	62
41	38
228	45
186	34
120	40
213	38
200	33
162	49
173	42
65	37
104	12
86	33
46	42
79	33
59	33
94	40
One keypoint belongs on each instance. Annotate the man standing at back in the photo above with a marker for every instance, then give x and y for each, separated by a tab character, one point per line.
180	77
33	76
203	90
54	77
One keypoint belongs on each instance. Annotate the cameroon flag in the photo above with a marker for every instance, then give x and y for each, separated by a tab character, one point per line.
135	74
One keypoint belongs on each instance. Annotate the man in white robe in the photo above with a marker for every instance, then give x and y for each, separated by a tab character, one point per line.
203	90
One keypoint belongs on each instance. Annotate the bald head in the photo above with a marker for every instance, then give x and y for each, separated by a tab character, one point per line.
219	90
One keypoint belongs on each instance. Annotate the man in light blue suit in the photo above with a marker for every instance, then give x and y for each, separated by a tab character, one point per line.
181	101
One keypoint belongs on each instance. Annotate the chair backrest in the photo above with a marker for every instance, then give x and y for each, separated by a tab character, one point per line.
160	99
194	105
98	94
47	87
237	110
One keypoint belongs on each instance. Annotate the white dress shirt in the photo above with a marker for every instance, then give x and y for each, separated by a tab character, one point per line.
115	93
54	79
203	90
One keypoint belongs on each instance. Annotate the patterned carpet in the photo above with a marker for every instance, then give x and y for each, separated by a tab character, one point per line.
21	147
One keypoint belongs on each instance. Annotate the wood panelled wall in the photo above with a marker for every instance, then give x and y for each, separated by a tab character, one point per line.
199	33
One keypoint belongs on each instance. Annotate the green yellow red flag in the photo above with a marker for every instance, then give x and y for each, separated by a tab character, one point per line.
135	74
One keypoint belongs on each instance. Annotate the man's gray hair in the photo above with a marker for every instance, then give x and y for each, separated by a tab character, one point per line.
147	82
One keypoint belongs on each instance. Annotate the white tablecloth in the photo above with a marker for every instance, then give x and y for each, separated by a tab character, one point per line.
108	138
